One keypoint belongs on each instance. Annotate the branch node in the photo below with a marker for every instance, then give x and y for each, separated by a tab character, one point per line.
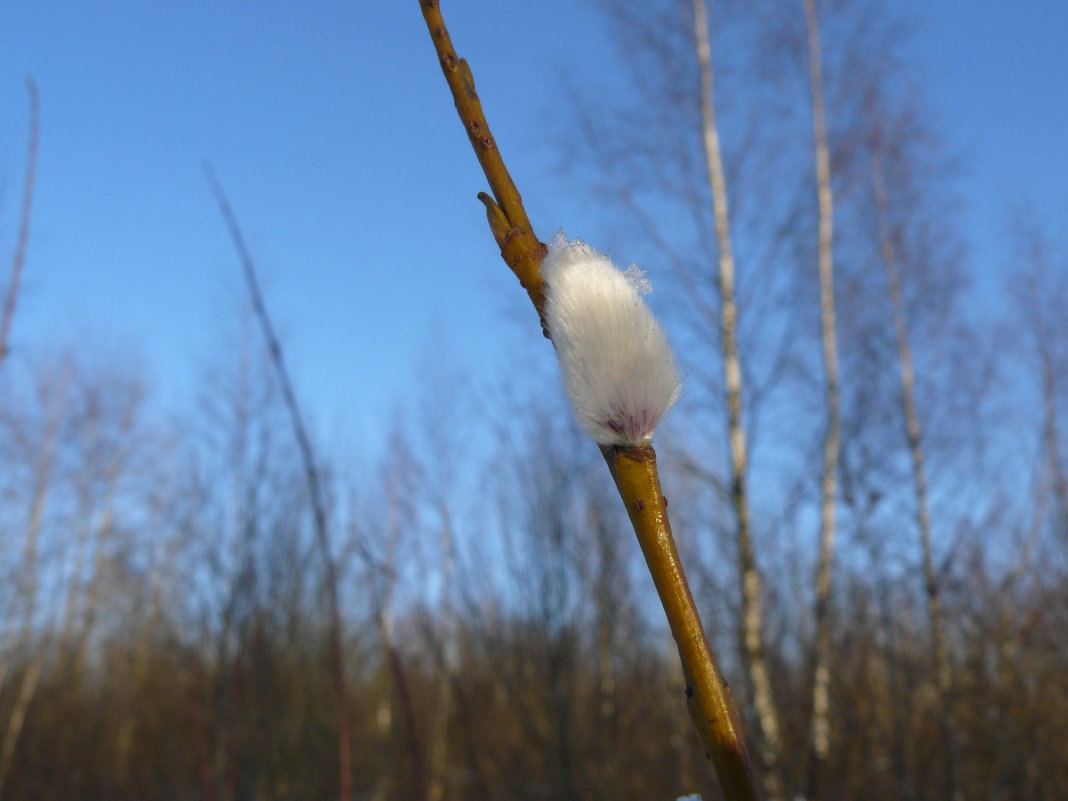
498	222
468	80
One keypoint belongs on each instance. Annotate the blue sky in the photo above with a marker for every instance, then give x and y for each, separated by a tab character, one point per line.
331	129
998	85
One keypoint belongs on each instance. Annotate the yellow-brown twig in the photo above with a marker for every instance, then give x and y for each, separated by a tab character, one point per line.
708	698
508	220
633	468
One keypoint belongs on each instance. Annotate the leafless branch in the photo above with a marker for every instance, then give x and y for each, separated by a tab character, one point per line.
24	220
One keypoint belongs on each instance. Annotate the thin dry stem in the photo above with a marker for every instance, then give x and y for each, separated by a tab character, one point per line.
19	259
709	699
315	490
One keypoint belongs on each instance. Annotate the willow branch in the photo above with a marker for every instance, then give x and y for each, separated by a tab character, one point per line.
711	705
24	219
708	698
508	220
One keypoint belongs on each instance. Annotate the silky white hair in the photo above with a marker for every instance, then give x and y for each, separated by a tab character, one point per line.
615	360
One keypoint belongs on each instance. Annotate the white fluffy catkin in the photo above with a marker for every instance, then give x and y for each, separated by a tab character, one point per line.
616	362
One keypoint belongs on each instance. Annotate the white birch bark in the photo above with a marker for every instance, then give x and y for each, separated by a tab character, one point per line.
943	667
752	614
820	727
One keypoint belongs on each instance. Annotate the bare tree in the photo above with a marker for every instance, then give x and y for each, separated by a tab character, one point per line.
383	563
749	575
443	398
914	439
79	435
53	394
1041	293
820	728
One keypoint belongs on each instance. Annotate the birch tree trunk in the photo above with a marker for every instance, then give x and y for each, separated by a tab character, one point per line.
943	667
752	615
820	729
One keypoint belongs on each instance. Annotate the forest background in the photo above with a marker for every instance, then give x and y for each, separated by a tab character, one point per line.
166	629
